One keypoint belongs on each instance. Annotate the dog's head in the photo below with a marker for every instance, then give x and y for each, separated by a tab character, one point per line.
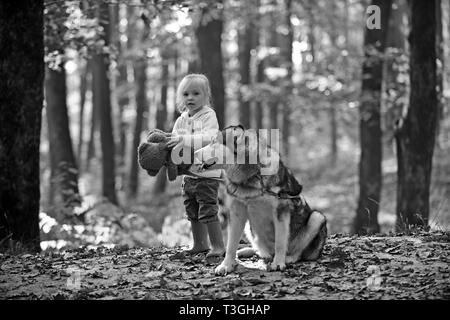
236	146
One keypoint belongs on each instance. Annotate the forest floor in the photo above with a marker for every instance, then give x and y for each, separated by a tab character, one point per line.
415	266
127	252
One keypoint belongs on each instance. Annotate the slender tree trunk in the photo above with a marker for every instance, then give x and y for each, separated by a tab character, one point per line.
439	69
332	111
259	111
161	123
21	101
396	39
286	52
141	104
258	106
245	44
272	62
84	74
102	100
93	129
64	171
416	132
370	177
310	35
333	134
176	112
209	42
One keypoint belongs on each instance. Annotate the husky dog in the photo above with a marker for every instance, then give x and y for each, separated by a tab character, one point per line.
265	193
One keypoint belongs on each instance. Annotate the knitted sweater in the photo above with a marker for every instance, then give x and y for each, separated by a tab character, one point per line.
197	132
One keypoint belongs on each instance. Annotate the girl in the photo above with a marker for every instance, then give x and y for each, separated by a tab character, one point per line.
194	129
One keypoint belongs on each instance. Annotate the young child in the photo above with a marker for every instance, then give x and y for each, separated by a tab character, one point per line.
194	129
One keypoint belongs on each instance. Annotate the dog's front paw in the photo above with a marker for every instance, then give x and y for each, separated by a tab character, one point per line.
277	265
224	268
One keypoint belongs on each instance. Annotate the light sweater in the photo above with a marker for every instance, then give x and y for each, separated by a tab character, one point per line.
197	132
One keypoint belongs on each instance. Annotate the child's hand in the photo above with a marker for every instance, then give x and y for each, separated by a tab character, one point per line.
174	140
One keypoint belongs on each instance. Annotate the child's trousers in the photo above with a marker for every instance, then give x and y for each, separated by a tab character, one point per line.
200	199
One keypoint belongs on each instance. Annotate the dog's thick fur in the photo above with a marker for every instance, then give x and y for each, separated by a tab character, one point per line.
282	225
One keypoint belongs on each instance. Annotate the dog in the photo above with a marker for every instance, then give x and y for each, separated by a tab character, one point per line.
282	227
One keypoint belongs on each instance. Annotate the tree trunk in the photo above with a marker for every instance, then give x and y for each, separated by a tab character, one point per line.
333	135
393	89
258	106
176	112
416	132
439	69
93	129
141	104
332	110
209	39
161	123
273	62
64	172
259	110
102	100
121	91
84	74
310	35
370	176
245	44
21	101
286	51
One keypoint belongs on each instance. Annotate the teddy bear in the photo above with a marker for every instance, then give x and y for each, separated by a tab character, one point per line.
153	154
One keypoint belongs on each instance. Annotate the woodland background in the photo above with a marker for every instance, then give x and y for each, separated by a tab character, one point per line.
353	105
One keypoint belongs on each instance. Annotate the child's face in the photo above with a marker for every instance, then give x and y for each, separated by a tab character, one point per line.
193	97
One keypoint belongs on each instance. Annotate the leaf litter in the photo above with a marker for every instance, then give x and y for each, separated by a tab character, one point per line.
366	267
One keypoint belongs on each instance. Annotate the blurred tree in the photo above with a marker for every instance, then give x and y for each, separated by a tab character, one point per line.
395	69
64	172
439	68
246	45
209	39
93	129
85	82
308	5
140	78
120	40
272	62
161	119
415	133
286	52
21	100
102	101
176	61
258	106
370	175
333	69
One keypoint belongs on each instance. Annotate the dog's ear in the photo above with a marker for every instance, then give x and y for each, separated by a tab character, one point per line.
289	183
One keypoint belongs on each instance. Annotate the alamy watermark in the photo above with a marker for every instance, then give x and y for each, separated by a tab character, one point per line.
374	19
240	147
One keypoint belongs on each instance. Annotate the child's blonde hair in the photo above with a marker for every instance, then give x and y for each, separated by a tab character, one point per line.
200	79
